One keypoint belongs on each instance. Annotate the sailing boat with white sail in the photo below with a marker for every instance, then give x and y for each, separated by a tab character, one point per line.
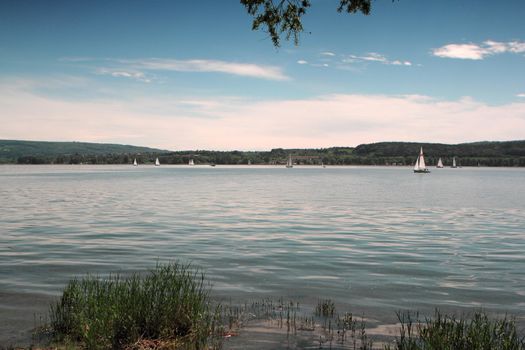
440	163
135	162
454	162
191	162
420	166
289	163
157	163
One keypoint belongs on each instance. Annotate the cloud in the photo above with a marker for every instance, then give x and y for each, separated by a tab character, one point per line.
236	123
473	51
521	95
374	57
135	68
136	75
214	66
302	62
327	53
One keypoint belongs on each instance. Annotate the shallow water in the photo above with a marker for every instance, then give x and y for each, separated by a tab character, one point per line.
377	239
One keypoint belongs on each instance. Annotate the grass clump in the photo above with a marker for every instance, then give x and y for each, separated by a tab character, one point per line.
325	308
169	305
478	332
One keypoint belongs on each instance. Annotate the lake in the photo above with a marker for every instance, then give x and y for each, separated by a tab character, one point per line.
374	239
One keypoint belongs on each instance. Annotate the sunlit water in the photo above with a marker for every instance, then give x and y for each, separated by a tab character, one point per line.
377	239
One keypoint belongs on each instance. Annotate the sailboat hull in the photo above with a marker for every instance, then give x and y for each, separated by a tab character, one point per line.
422	171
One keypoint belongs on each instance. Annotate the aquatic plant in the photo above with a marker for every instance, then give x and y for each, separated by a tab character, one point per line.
478	332
325	308
168	307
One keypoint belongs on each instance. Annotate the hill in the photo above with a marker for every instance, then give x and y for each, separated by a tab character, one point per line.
507	153
40	152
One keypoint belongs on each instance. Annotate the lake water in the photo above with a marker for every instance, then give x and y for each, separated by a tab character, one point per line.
376	239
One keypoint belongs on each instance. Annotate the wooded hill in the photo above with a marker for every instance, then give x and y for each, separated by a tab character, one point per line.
43	152
507	153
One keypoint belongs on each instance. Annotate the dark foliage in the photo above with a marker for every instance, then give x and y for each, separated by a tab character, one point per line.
284	17
508	153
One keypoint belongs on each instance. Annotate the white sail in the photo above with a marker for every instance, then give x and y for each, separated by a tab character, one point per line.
440	163
135	162
416	165
453	162
157	163
289	163
191	162
420	166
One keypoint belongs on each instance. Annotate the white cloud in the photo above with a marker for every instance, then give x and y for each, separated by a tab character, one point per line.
136	75
235	123
302	62
135	68
215	66
374	57
327	53
473	51
521	95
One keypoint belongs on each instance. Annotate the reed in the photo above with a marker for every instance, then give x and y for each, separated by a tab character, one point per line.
478	332
169	305
325	308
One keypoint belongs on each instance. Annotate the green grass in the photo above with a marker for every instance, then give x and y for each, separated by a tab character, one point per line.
169	307
325	308
443	332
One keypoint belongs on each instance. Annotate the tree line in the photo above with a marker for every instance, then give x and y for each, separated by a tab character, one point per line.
493	154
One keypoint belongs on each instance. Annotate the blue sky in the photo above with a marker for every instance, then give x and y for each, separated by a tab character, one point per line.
192	74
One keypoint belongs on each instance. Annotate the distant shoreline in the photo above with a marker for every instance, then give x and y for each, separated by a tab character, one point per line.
483	154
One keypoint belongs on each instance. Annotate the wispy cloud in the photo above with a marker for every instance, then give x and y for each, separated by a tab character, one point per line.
327	53
136	75
136	68
302	62
521	95
374	57
473	51
215	66
237	123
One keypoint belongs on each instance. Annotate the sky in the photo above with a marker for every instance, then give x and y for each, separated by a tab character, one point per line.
183	75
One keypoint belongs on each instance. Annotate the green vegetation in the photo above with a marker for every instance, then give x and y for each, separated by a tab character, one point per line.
325	308
169	307
285	17
332	330
478	332
41	152
508	153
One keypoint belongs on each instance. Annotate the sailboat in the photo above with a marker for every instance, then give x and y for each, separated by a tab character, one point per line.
454	162
420	166
440	163
135	162
289	163
249	162
191	162
157	163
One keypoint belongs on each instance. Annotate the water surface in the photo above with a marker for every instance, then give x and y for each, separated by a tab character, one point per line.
377	239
